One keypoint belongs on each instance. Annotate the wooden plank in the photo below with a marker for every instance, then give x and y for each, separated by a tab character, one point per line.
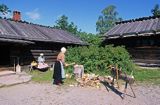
43	51
45	54
46	57
147	61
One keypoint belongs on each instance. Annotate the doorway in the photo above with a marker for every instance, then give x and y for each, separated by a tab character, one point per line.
4	56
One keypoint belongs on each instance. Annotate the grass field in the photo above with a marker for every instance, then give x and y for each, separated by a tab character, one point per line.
41	77
46	77
147	75
141	75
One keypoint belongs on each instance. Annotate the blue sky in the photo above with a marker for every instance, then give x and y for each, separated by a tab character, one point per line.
84	13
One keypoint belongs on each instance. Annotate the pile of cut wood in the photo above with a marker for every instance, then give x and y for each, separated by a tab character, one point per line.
92	80
89	80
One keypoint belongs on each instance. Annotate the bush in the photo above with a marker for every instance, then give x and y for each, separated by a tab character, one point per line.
97	59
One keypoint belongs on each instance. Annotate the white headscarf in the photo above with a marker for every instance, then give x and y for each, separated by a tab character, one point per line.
63	49
41	54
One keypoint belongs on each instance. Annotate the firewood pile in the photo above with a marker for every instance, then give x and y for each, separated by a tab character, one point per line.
89	80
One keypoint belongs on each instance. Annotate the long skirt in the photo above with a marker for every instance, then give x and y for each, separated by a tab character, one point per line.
57	74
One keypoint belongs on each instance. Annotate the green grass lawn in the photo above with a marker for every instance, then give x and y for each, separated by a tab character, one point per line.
46	77
141	75
41	77
147	75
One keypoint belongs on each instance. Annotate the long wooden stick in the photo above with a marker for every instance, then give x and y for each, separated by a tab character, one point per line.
14	65
117	76
132	90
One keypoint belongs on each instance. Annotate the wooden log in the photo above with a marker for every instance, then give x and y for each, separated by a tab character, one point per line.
43	51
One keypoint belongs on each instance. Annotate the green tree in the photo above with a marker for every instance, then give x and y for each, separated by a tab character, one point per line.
107	20
62	23
156	10
4	9
72	28
90	38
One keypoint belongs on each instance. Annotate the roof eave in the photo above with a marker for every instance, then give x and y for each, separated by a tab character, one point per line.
132	35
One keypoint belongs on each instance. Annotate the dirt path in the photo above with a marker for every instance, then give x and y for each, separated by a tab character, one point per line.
48	94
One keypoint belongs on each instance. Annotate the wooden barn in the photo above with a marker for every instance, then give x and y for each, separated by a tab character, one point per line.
23	42
140	36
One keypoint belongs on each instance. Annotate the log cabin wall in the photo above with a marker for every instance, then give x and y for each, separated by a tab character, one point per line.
146	56
50	50
31	53
141	36
50	55
145	50
11	54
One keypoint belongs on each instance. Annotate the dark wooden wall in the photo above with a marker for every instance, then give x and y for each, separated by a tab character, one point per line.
145	50
32	52
146	56
4	55
12	53
136	41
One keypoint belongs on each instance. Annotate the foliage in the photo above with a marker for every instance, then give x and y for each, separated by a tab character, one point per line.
97	59
4	9
90	38
107	20
62	23
156	10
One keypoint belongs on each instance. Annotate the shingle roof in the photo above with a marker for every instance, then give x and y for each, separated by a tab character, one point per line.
135	27
32	32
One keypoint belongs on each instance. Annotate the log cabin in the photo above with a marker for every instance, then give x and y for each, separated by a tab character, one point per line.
141	37
22	42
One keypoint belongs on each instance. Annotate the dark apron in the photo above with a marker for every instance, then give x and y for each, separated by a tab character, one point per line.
57	75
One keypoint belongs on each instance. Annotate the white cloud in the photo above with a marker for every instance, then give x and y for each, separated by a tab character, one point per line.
34	15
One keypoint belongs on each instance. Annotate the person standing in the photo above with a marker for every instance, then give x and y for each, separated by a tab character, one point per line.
59	73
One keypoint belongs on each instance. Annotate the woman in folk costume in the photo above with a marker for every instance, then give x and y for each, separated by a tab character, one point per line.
41	61
59	73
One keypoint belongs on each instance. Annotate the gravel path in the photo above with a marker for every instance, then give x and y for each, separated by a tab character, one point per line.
48	94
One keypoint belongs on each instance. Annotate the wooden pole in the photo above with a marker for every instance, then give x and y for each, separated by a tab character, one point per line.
117	76
14	64
132	90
